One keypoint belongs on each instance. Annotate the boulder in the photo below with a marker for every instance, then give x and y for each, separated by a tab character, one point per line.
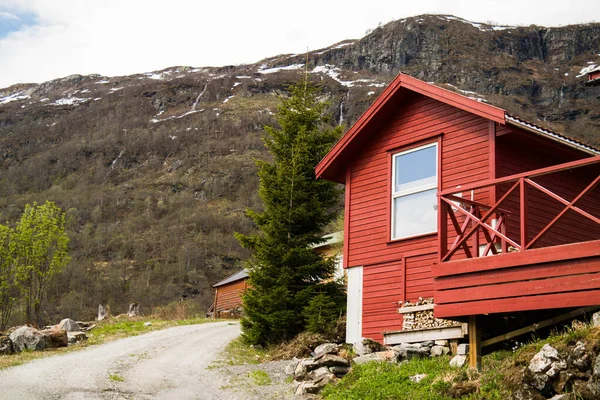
596	319
69	325
458	361
526	392
596	367
411	350
579	358
463	349
291	367
134	310
27	338
6	346
103	312
339	371
437	351
55	338
75	337
366	346
366	358
543	360
331	360
303	368
441	343
326	348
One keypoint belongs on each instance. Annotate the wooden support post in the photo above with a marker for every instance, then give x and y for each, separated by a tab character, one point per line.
524	215
474	343
215	303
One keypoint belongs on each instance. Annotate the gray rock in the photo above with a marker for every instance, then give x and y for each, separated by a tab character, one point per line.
564	382
27	338
556	368
579	357
331	360
417	378
6	346
291	367
75	337
539	381
326	348
596	319
366	358
428	343
339	371
55	338
148	323
458	361
320	374
441	343
463	349
303	368
596	367
593	385
437	351
543	360
69	325
366	346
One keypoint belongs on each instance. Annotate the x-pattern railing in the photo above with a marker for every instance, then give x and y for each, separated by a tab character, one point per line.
476	215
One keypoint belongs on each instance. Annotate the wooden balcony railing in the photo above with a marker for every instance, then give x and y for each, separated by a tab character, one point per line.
471	221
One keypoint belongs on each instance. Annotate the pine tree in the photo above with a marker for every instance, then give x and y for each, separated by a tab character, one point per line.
285	273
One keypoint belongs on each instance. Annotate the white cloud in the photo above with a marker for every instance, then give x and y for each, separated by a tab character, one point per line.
8	16
116	37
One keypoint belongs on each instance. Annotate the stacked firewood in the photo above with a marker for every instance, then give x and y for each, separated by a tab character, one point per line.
423	319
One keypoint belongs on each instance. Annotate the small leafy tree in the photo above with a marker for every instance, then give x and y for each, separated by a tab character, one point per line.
40	250
285	273
9	277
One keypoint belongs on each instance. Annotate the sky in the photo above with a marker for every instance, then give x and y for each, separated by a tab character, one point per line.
47	39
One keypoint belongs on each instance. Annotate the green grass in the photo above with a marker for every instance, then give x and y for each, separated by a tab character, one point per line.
116	377
260	377
105	331
383	381
501	375
238	353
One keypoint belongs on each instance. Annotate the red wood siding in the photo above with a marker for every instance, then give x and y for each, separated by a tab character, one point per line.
464	159
230	296
382	290
463	144
554	277
520	152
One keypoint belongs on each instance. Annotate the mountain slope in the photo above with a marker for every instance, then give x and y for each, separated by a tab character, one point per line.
154	170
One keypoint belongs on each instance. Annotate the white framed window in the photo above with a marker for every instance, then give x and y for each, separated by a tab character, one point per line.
414	191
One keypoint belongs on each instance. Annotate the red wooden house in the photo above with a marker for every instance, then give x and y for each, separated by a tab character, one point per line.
452	198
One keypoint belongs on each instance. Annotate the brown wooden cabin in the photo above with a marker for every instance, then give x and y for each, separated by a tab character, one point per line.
452	198
228	295
593	77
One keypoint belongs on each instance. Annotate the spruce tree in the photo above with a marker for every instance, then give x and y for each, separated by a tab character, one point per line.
285	273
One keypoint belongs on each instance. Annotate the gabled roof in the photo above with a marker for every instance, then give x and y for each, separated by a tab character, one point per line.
238	276
332	166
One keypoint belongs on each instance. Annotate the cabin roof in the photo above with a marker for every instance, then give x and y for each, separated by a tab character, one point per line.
332	166
238	276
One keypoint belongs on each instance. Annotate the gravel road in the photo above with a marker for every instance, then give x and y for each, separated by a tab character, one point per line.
165	364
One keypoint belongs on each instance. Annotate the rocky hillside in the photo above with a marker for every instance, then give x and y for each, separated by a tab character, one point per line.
154	170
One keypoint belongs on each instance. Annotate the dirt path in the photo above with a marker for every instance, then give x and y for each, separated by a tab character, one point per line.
165	364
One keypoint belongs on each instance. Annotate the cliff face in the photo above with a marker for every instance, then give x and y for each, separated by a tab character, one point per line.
532	71
154	170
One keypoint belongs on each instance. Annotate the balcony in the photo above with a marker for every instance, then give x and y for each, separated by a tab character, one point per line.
522	242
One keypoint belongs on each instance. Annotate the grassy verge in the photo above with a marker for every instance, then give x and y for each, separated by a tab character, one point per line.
238	353
501	375
105	331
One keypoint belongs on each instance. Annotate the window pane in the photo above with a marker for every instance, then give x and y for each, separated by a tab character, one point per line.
415	169
415	214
